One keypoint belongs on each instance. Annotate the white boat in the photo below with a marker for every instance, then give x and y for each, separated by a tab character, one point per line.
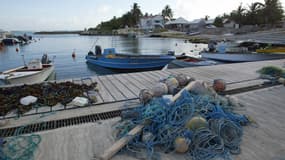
241	57
34	72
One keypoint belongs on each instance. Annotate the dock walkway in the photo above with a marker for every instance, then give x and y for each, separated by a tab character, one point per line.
125	87
73	141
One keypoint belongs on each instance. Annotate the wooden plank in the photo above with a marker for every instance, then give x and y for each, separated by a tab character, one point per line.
151	76
108	154
103	92
134	81
245	84
158	75
133	88
113	90
143	77
121	87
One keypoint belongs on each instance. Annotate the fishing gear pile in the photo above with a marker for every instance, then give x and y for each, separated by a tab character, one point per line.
273	73
200	123
47	94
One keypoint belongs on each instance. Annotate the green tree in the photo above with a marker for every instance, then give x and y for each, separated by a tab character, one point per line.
254	14
218	21
136	13
167	12
272	11
238	15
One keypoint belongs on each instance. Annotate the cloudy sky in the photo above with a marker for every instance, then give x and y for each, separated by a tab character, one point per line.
79	14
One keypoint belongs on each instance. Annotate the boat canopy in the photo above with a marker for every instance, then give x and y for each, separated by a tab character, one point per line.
109	51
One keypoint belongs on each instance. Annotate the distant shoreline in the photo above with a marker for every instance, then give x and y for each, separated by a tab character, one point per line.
58	32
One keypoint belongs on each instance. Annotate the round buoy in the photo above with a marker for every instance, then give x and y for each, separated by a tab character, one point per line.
17	49
73	55
199	87
282	81
196	123
219	85
159	89
182	79
145	96
172	84
181	145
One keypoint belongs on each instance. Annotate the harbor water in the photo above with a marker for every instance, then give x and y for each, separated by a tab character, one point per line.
62	46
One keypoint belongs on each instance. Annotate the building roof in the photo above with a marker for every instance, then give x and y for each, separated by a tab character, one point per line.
210	21
179	20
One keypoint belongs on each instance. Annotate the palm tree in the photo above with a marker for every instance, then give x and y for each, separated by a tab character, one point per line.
254	13
136	12
238	15
272	11
167	12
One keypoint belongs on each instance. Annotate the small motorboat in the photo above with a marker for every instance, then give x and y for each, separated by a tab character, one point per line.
280	50
243	51
10	41
113	60
36	71
188	61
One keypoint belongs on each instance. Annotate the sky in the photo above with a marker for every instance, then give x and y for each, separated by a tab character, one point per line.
47	15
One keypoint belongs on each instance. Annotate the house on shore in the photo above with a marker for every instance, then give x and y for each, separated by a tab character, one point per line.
230	24
179	24
151	22
3	34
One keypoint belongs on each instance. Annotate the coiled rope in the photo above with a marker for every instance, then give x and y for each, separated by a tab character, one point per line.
167	122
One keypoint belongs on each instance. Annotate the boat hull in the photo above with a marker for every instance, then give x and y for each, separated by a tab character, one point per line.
34	78
130	63
241	57
273	50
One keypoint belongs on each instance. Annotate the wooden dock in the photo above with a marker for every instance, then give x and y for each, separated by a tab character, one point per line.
121	91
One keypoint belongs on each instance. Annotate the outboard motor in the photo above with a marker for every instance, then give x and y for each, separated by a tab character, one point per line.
45	59
98	50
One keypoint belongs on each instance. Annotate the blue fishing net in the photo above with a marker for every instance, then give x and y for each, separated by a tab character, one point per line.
167	121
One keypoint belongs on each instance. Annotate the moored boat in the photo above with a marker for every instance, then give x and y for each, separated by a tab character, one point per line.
243	51
113	60
187	61
272	50
34	72
241	57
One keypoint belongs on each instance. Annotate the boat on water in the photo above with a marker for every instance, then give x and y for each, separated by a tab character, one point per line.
113	60
280	50
10	41
188	61
241	57
243	51
34	72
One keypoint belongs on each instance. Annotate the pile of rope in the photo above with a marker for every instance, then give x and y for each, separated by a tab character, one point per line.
219	137
48	94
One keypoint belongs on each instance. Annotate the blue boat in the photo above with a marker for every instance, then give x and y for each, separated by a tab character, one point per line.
111	59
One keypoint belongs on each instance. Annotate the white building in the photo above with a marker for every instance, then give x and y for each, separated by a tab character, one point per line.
179	24
3	34
230	24
151	22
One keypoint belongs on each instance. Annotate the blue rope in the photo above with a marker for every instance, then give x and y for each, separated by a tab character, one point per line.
168	122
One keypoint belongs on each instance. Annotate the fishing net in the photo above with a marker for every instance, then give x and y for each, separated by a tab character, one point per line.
167	121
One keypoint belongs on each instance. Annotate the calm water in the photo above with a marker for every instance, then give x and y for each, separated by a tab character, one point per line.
62	47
